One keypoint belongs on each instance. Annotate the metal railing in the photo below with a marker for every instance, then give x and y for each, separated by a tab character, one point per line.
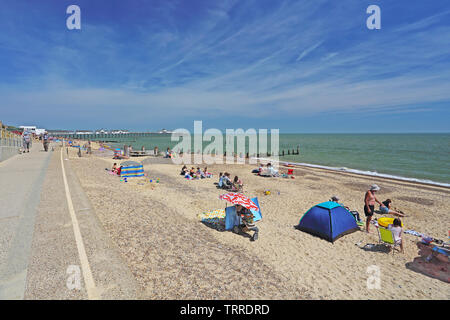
9	139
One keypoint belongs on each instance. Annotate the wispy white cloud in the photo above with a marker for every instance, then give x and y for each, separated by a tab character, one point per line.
307	51
295	58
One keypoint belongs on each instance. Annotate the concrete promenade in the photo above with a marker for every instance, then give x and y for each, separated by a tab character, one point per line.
46	222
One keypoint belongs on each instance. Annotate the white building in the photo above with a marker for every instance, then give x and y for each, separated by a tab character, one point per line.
164	131
31	129
119	131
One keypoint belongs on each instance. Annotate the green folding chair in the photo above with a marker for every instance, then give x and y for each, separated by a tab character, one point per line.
387	238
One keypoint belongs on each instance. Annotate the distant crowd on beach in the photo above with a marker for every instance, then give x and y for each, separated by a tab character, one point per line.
195	173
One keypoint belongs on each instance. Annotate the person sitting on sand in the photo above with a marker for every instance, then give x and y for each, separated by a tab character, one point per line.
220	183
207	174
114	167
119	171
369	204
336	199
199	173
247	219
354	213
259	170
271	170
396	229
184	170
226	182
386	209
274	172
238	186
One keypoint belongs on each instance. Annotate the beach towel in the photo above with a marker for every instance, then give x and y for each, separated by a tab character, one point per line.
414	233
265	173
215	218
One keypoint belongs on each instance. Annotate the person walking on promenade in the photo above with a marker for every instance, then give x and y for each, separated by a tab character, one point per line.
26	141
45	140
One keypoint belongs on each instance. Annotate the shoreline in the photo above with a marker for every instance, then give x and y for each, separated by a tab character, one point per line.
393	176
413	181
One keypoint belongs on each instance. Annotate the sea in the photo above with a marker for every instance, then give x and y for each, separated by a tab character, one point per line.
411	157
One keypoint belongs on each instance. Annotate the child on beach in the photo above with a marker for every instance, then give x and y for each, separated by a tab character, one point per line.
207	174
220	183
200	173
238	186
396	229
260	169
114	167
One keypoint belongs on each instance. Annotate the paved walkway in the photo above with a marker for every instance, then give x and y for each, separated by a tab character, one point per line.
39	243
21	179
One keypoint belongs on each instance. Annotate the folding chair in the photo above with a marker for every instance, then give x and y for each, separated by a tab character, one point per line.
387	238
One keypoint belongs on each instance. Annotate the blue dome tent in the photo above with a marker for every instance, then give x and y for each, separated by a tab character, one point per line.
328	220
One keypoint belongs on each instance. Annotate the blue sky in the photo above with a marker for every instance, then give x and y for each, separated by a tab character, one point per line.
300	66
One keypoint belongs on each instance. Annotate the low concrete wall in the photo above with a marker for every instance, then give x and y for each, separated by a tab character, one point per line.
7	152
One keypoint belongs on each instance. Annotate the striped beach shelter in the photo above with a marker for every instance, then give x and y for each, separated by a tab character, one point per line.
132	169
117	153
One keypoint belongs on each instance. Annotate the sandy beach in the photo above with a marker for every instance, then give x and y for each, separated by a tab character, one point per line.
172	255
